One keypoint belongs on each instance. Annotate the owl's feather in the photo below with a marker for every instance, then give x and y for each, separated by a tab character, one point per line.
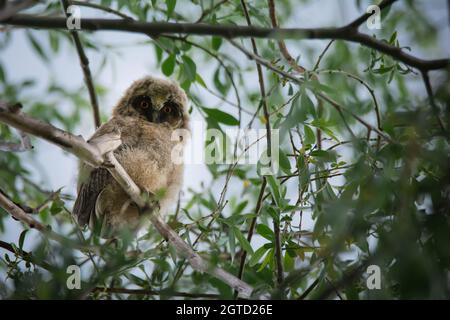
84	207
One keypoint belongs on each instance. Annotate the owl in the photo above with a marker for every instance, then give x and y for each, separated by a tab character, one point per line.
147	118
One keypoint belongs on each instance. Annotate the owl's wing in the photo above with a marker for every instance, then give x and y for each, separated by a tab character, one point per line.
93	181
88	192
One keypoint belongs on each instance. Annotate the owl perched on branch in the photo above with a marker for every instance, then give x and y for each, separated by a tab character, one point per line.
145	117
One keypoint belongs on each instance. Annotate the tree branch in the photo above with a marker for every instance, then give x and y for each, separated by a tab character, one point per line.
434	107
84	62
26	256
281	44
98	155
157	292
12	7
357	22
231	31
18	213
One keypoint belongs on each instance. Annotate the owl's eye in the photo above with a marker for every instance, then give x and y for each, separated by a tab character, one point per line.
142	102
167	109
170	113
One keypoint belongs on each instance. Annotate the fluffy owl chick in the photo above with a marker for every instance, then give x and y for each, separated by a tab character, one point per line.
146	116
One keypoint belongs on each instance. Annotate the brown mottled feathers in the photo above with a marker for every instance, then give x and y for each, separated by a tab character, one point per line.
147	142
84	207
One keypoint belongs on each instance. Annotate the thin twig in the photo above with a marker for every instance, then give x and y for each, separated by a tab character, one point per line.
435	108
281	44
84	62
206	12
252	226
309	289
360	20
322	54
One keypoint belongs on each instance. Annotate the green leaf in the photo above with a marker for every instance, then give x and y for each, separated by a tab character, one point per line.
382	70
54	41
190	68
168	65
319	123
216	42
310	138
265	232
292	118
274	187
317	86
2	74
257	255
37	47
22	238
243	241
307	105
267	259
288	263
200	81
284	162
221	116
325	155
170	7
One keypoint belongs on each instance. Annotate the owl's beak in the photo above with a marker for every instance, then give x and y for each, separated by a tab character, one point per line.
153	116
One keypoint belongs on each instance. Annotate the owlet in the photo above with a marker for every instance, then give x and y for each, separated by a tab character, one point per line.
146	117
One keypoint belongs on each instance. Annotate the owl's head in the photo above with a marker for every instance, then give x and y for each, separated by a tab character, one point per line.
155	100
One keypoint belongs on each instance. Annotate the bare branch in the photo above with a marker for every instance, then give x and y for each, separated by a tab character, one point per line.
435	108
231	31
73	144
157	292
13	7
84	62
281	44
322	54
19	214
